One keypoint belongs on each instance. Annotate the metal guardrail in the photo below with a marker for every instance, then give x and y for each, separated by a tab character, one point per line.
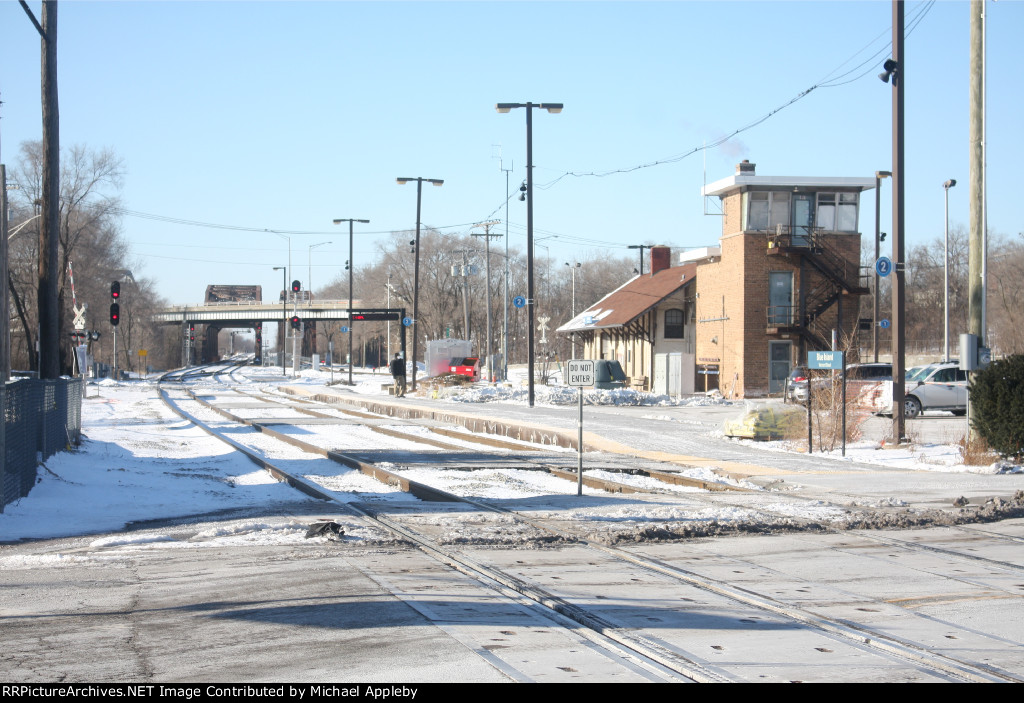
40	418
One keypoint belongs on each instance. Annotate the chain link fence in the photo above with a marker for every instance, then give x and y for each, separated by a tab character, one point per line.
40	419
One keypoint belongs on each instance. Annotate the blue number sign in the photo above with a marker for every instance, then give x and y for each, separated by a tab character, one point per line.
883	267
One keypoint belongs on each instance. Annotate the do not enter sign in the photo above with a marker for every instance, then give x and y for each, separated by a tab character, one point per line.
582	372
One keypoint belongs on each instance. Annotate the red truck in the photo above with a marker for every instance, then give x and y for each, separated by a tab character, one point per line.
467	366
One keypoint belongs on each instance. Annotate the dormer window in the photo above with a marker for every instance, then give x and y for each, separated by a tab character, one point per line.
837	212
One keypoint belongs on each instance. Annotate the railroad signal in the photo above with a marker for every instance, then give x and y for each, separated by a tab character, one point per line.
115	289
412	246
296	286
296	323
191	332
346	264
115	314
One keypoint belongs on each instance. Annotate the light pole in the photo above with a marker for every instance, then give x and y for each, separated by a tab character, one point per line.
879	175
572	335
284	345
284	314
350	267
309	275
552	108
945	277
416	269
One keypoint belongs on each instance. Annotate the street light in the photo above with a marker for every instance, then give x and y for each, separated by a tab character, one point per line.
416	269
294	302
284	314
351	265
554	108
879	175
309	275
945	278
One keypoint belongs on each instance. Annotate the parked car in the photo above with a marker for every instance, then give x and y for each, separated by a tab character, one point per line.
936	387
869	372
796	385
862	382
941	386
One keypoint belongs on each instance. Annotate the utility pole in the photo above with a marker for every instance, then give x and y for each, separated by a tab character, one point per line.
464	272
49	231
5	322
641	247
899	78
486	234
976	186
504	349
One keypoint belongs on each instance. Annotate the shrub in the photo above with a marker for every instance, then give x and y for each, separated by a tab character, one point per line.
997	405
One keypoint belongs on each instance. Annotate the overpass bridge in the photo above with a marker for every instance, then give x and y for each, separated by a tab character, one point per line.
215	316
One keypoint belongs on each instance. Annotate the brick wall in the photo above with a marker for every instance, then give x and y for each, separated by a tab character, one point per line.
732	304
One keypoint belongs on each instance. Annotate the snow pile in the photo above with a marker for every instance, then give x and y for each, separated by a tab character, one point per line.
566	395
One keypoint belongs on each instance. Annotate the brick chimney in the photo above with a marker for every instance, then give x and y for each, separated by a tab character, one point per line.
661	258
745	168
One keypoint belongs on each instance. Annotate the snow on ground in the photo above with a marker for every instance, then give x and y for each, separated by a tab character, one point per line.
140	462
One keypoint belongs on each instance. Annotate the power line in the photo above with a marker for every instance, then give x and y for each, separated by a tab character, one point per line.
921	11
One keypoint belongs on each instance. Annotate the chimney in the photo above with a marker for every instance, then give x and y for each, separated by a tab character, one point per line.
745	168
661	258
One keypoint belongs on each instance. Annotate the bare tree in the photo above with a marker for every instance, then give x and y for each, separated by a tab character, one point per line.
89	239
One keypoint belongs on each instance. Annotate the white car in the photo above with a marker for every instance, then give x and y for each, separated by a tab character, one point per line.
941	386
936	387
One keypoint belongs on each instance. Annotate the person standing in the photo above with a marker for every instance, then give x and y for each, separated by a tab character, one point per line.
397	368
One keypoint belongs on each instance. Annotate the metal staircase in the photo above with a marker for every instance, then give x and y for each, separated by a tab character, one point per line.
839	277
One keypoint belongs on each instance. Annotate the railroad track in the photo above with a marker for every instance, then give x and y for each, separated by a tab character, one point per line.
661	653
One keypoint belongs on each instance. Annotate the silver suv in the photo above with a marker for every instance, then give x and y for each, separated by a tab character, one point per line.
935	387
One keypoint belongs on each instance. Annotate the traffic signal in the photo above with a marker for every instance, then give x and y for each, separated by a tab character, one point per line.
296	323
296	286
115	313
115	289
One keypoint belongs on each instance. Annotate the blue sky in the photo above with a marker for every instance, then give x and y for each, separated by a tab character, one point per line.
286	115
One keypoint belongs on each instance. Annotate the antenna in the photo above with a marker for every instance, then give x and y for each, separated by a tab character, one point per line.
704	150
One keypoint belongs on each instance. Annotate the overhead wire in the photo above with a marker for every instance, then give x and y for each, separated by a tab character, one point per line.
917	15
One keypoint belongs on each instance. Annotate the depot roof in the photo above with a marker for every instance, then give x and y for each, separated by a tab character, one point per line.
632	299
